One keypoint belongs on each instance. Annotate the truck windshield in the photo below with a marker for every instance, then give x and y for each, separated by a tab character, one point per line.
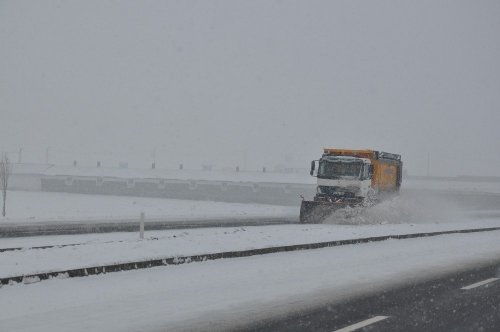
336	170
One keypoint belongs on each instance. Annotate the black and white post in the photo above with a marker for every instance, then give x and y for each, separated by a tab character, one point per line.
141	227
5	170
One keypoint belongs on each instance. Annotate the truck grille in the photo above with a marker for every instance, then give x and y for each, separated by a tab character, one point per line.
336	191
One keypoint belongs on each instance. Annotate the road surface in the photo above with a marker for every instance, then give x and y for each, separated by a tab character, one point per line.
468	301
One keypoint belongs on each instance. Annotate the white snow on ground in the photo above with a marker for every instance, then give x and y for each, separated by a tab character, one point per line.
222	294
103	249
31	207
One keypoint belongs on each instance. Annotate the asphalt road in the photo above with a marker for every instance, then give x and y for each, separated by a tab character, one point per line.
437	305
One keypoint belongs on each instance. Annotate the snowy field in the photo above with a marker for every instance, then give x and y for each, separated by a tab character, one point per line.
32	207
218	295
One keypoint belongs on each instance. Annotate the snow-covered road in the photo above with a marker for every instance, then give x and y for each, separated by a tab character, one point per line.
222	294
106	249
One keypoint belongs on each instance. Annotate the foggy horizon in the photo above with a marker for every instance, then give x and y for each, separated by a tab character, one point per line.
254	84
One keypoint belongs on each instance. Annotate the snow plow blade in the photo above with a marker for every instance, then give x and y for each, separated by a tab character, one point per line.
314	212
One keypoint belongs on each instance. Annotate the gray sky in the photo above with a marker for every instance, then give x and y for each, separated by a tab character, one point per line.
251	82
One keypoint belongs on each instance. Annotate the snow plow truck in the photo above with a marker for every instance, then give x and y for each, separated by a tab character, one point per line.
349	178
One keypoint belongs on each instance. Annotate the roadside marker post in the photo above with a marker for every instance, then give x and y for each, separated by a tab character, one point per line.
141	227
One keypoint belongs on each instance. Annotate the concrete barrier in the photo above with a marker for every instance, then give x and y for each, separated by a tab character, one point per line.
221	191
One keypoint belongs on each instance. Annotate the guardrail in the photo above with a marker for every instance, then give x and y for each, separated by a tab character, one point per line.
132	225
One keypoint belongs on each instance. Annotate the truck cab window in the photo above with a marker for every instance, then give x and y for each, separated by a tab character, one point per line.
366	172
335	170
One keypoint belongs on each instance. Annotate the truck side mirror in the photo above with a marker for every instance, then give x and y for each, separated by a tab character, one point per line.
370	171
313	167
